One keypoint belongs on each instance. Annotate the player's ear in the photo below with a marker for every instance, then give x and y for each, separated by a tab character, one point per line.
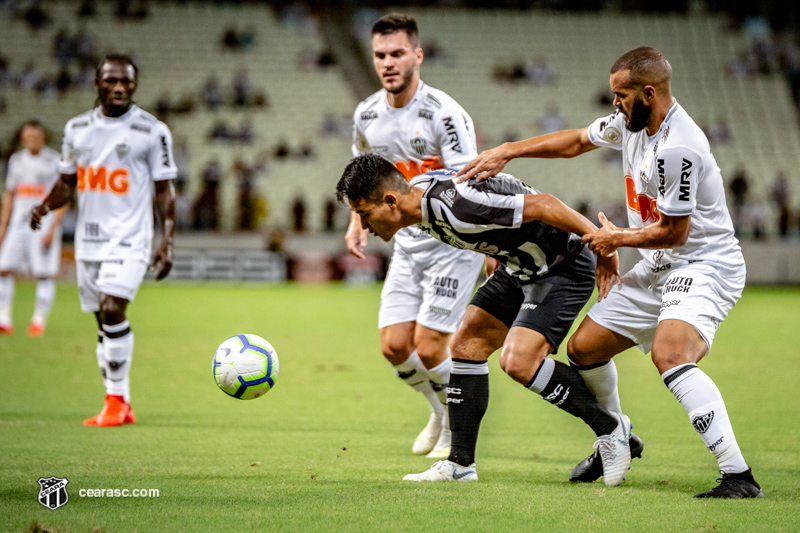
649	92
390	198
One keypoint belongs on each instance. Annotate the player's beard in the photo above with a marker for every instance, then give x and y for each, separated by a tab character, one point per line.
639	117
406	81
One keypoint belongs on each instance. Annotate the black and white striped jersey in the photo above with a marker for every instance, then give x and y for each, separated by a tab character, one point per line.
487	217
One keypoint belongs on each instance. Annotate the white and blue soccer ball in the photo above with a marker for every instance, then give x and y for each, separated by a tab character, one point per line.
245	366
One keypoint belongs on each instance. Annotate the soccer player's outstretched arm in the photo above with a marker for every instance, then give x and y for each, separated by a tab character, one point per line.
561	144
553	212
165	208
667	232
59	195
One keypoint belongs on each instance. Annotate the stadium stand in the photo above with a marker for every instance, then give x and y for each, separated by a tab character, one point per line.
178	46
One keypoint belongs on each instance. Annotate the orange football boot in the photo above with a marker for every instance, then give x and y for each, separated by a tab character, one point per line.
115	413
35	329
6	329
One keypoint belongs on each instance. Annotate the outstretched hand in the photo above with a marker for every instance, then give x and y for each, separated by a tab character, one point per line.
486	165
602	241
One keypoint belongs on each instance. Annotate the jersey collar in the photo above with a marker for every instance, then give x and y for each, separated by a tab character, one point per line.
100	116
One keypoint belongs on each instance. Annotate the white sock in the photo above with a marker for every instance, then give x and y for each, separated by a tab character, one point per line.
45	294
439	377
119	352
413	372
602	382
6	299
703	402
100	351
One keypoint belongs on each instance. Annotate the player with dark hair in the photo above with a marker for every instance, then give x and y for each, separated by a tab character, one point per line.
117	156
31	173
416	128
692	272
526	307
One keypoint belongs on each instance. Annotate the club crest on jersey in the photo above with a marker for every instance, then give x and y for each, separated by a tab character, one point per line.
612	135
122	150
701	423
53	492
448	197
419	145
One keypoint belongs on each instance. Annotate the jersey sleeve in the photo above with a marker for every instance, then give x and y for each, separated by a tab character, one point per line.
606	132
456	136
359	140
160	159
677	170
68	163
11	183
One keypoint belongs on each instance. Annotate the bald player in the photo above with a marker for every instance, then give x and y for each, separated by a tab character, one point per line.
692	270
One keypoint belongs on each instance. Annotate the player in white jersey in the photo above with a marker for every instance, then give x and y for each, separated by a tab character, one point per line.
119	158
692	272
417	128
31	173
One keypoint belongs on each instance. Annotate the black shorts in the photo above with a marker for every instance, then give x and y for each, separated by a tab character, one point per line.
549	304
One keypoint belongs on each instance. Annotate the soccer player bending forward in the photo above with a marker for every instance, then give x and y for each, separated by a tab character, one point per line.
692	270
526	307
117	156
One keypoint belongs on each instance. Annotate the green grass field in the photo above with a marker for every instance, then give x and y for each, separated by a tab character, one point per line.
327	448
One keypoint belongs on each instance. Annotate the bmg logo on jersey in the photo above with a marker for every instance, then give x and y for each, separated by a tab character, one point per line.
101	179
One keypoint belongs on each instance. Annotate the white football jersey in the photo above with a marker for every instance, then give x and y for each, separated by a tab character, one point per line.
116	160
674	173
30	177
431	132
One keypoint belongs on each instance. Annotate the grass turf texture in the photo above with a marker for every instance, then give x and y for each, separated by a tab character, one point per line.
327	448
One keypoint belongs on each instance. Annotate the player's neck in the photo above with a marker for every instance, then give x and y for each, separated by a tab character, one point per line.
412	206
401	99
34	151
660	112
116	111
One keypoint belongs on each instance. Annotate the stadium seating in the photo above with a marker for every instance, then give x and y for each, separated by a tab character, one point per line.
178	47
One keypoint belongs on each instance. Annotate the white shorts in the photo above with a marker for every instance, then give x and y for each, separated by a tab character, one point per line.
696	293
431	287
115	277
22	251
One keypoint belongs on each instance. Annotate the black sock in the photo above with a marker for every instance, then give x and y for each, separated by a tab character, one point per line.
467	399
567	391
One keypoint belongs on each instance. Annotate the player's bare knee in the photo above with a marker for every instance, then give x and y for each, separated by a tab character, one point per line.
667	358
521	366
112	310
470	348
395	351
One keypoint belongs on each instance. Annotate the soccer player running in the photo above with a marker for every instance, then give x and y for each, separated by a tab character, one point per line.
417	128
526	307
692	272
119	157
31	173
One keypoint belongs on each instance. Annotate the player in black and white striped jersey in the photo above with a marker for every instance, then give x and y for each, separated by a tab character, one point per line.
526	307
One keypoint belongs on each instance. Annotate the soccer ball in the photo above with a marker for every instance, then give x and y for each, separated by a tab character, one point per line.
245	366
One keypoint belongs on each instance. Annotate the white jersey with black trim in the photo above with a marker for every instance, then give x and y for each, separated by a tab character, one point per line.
431	132
673	172
116	161
30	177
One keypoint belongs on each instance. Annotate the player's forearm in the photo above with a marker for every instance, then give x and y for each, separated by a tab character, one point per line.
61	192
561	144
165	208
653	236
553	212
6	207
59	214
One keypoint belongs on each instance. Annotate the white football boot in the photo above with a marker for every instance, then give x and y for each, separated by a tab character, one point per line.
614	450
445	471
426	440
442	448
